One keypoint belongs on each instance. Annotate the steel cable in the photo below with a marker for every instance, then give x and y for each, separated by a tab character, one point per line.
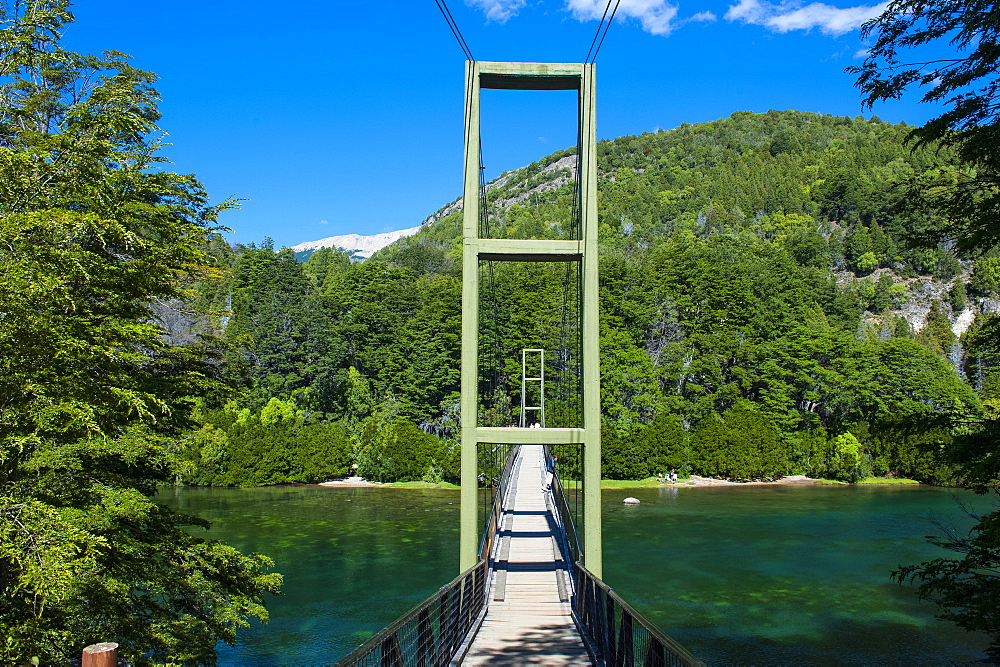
599	43
453	25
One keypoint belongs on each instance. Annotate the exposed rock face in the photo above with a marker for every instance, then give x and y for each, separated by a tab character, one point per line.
920	294
963	321
181	325
553	175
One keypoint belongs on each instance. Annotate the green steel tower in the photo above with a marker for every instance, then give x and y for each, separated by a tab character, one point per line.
582	250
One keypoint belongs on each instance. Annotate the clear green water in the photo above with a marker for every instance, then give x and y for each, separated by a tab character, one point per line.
353	560
765	575
786	575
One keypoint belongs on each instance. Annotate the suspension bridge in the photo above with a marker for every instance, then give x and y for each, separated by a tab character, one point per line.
529	600
530	590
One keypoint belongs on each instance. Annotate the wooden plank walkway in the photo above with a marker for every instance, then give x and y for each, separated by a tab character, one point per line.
529	620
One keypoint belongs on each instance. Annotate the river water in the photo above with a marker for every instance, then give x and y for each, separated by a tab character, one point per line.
764	574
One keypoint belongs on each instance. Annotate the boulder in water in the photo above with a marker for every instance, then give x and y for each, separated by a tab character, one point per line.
631	501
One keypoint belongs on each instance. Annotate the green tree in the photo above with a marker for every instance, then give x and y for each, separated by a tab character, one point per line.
904	58
985	279
957	295
848	460
937	335
91	397
741	444
882	300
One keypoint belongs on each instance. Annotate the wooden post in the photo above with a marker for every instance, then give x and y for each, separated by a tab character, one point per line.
104	654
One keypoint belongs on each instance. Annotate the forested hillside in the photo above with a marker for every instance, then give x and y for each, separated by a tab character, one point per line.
762	314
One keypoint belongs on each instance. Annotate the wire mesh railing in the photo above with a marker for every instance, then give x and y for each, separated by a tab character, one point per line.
565	513
432	633
495	512
619	633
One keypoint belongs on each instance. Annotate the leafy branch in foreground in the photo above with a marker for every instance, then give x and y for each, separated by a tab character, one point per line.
966	197
966	590
91	396
966	83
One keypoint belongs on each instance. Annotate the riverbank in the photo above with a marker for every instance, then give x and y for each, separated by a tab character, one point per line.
698	481
649	482
360	482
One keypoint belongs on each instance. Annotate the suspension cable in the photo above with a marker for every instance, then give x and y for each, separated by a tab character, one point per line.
591	59
446	13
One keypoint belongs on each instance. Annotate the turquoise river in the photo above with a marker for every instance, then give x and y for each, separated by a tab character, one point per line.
757	574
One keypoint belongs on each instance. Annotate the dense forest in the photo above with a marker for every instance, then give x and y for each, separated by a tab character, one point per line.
781	293
765	311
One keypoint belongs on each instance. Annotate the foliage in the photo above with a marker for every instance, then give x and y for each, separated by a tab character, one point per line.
967	588
91	395
964	81
740	445
722	283
847	459
964	589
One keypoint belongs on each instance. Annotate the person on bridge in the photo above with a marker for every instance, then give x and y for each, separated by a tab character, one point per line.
550	471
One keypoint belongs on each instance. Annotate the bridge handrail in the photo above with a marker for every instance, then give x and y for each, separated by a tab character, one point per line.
622	636
433	632
619	634
570	539
496	511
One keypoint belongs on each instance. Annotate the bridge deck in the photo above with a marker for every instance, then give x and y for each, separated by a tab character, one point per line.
529	619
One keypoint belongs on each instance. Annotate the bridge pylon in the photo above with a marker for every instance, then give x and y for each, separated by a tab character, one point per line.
581	249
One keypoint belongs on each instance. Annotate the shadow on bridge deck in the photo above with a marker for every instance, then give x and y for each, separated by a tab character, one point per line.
529	619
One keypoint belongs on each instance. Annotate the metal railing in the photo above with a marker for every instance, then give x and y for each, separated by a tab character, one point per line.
564	518
493	519
618	634
430	634
621	636
433	633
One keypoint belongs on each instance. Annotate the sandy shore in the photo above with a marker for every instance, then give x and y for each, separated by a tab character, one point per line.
350	481
696	480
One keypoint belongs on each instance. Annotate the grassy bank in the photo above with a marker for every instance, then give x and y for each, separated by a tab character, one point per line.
651	482
421	485
873	480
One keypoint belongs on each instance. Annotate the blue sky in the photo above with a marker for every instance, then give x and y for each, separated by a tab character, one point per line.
343	117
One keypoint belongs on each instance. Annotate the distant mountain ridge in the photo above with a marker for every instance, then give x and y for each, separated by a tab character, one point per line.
359	246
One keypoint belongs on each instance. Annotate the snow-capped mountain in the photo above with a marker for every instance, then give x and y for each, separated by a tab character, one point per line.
359	246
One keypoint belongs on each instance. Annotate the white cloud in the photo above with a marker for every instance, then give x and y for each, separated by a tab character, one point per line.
788	16
657	16
704	17
498	10
861	53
